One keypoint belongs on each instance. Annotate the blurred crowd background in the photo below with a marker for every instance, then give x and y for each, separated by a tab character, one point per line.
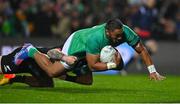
158	19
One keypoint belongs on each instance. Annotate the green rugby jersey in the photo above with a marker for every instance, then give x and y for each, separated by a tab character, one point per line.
92	40
130	36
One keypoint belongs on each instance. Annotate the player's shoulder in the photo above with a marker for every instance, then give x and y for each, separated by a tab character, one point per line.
125	27
98	29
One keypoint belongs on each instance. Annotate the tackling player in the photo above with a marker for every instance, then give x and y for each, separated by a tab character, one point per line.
80	77
39	78
88	43
84	43
125	50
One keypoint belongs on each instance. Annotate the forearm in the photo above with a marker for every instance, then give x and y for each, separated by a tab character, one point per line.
148	62
146	58
99	66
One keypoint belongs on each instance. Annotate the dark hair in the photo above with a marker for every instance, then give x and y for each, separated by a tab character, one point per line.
114	24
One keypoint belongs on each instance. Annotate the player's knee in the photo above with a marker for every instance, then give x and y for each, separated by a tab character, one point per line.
46	83
89	82
54	71
52	74
86	82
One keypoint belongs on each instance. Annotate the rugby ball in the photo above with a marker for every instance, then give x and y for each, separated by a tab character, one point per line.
107	54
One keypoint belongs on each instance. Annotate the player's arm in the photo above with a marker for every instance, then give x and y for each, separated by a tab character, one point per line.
133	40
95	64
148	61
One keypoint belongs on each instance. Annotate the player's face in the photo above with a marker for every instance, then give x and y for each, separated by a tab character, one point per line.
115	36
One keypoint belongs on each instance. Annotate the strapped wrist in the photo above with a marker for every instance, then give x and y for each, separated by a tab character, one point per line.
55	54
151	69
111	65
62	58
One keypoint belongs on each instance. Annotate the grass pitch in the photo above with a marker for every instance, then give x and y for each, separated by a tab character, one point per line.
106	88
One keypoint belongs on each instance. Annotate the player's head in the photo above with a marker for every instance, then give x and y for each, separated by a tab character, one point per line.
114	30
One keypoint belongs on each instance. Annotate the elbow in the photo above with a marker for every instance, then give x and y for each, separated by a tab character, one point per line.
52	73
91	67
86	82
90	83
140	48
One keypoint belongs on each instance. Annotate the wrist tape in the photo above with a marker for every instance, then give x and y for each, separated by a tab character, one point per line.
111	65
151	69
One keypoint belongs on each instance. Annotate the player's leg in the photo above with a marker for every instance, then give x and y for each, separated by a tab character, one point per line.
35	82
29	80
7	64
84	79
53	69
38	79
81	71
41	79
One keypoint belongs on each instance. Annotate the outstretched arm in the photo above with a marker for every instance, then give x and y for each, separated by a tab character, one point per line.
148	62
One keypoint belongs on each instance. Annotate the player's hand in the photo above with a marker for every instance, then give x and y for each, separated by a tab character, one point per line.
117	58
156	76
55	54
69	59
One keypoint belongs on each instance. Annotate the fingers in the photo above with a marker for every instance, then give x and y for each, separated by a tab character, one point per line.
162	77
117	58
157	77
153	77
75	58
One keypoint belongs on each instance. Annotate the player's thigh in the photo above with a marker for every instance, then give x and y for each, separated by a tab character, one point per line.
42	77
86	79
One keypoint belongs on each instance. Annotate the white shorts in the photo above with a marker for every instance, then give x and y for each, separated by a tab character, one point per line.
66	48
126	51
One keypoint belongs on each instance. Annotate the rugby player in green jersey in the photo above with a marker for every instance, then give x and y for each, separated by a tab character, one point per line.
88	43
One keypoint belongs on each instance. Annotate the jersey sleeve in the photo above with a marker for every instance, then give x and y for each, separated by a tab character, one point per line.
131	37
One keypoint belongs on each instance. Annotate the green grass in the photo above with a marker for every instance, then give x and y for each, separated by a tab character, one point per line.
106	88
